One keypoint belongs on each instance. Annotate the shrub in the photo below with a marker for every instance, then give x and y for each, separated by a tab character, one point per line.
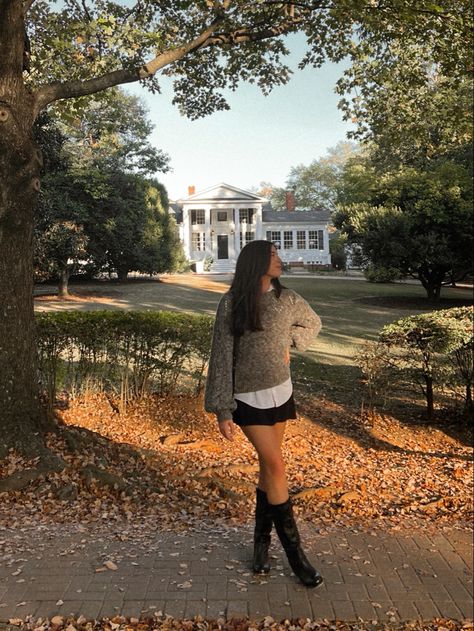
425	343
377	274
131	352
375	361
337	249
462	357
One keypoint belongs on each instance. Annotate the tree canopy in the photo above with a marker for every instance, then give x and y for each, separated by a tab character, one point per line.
95	204
417	222
315	185
206	47
51	53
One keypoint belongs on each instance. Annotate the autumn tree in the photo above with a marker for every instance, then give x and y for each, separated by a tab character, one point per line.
49	55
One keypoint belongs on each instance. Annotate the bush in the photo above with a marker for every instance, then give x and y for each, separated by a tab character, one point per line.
375	361
428	345
337	249
462	357
377	274
131	353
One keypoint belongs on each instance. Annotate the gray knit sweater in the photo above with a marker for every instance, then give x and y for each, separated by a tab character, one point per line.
287	321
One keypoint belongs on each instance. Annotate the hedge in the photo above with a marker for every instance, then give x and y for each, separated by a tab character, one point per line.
127	352
433	350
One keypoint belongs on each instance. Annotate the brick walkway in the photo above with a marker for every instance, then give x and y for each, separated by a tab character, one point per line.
375	576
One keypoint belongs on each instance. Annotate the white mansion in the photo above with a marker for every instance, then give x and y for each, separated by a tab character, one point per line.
216	223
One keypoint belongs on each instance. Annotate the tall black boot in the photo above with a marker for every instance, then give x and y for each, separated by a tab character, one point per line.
288	534
263	528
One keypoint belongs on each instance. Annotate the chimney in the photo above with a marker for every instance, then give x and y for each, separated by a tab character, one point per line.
191	190
290	201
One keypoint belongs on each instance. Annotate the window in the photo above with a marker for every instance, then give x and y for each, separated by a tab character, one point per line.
321	239
301	239
275	237
246	215
198	242
288	240
313	240
222	215
197	216
246	237
316	240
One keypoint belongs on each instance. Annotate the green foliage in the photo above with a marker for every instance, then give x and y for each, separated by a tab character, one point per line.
381	274
132	353
337	249
415	221
112	134
130	230
428	333
405	104
315	185
76	42
98	193
431	351
424	342
461	359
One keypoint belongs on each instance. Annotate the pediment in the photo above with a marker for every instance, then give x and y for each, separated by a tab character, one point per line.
223	192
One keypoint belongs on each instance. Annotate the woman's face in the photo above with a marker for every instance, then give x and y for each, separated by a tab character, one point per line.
275	267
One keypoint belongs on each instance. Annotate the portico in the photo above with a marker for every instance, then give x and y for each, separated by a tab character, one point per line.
216	223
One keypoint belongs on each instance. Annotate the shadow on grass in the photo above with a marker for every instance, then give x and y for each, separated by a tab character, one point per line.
331	396
413	302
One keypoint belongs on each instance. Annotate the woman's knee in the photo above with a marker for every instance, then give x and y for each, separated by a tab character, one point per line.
273	466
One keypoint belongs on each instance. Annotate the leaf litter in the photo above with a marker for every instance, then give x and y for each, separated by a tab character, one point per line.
164	461
163	464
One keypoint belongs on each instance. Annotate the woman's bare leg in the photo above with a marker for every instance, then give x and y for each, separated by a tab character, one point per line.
267	441
280	432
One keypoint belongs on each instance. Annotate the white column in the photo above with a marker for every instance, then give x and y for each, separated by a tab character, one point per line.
258	223
187	232
207	231
237	232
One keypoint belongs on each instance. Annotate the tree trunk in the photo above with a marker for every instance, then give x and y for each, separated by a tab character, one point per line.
63	286
432	282
468	403
22	417
429	397
122	274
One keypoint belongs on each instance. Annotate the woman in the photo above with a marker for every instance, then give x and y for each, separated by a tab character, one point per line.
249	385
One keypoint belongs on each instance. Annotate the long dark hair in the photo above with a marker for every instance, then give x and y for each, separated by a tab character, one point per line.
246	288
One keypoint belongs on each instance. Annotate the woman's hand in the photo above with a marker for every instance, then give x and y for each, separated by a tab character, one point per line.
227	429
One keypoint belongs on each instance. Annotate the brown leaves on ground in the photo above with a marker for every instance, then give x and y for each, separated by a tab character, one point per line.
167	623
164	462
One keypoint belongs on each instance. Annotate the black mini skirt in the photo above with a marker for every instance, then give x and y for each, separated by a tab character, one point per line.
248	415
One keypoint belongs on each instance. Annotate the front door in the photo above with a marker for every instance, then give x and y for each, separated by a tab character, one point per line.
222	246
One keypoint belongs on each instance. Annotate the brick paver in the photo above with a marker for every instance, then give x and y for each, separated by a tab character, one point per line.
377	576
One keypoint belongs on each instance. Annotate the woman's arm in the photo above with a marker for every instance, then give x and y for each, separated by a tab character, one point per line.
306	324
219	395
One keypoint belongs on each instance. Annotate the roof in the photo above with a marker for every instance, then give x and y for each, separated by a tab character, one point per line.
222	192
296	216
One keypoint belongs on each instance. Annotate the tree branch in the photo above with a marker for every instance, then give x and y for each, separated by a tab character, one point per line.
70	89
27	4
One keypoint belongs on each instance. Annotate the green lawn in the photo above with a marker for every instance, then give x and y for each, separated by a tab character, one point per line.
351	312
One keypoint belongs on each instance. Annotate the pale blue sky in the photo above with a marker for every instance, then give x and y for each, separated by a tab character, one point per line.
259	139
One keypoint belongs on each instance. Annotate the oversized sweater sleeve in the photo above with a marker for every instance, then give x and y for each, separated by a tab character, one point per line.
306	324
219	395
